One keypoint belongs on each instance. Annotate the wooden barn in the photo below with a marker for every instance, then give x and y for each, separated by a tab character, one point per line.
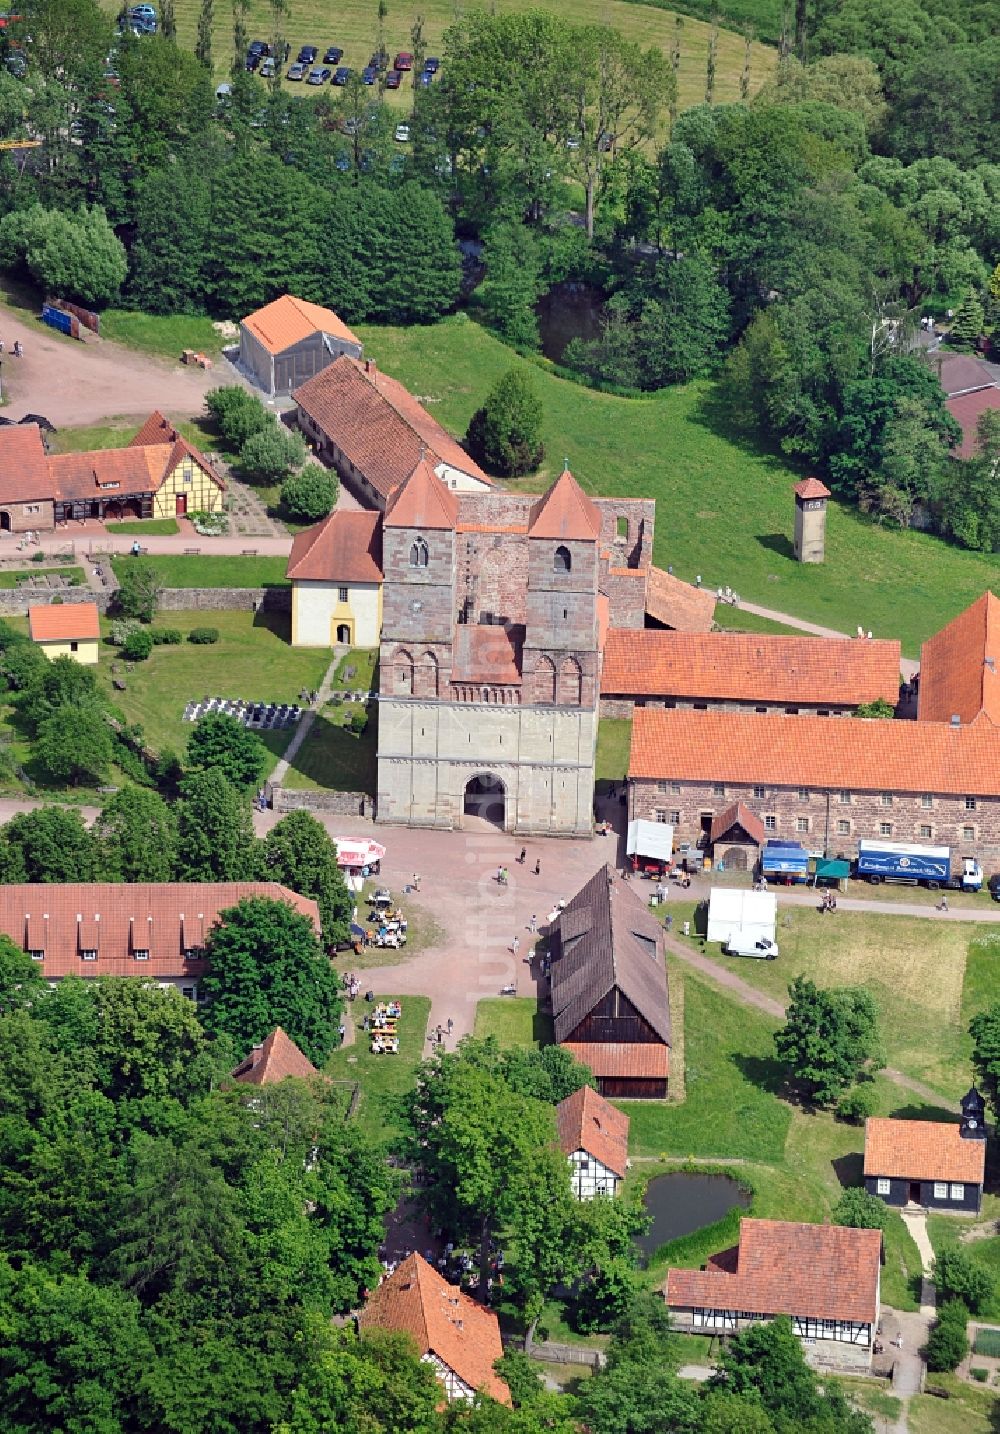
610	1004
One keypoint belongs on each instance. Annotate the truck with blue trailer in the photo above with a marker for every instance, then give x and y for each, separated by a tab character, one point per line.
784	861
914	865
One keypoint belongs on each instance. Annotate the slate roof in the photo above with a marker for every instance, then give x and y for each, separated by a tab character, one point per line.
967	409
813	1271
164	918
959	666
811	488
677	604
842	754
275	1059
750	667
288	320
422	501
378	425
922	1150
345	547
737	815
417	1301
565	511
65	622
622	1060
605	938
586	1121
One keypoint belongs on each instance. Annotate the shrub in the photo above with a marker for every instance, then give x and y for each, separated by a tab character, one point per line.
858	1104
309	495
947	1345
138	645
139	589
166	636
359	721
506	433
270	455
203	636
121	631
957	1276
238	414
860	1210
979	1374
38	557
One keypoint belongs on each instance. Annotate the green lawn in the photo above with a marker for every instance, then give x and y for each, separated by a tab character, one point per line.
334	757
514	1020
360	662
945	1231
13	577
724	506
166	336
614	738
736	619
252	660
384	1080
208	570
354	28
967	1410
161	527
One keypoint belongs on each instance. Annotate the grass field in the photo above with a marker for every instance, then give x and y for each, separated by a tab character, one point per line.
333	756
514	1020
614	737
206	570
159	527
384	1080
252	659
164	335
734	619
354	28
967	1410
724	508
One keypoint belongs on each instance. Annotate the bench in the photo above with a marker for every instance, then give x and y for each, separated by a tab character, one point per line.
192	552
249	552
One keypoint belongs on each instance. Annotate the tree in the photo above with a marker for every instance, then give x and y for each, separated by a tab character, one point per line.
947	1343
298	853
74	745
137	833
970	499
683	322
765	1364
203	44
267	969
507	295
421	268
270	455
969	319
310	495
52	844
878	709
506	433
168	20
56	686
829	1040
140	588
73	256
215	837
861	1211
958	1276
375	1382
221	743
238	414
146	1042
20	978
984	1028
858	1104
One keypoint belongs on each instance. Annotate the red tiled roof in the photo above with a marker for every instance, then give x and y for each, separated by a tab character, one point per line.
565	511
289	320
24	466
677	604
422	501
813	1271
378	425
158	430
586	1121
345	547
443	1321
737	815
647	1060
66	622
749	667
109	473
922	1150
487	654
811	488
967	409
275	1059
163	918
874	756
958	666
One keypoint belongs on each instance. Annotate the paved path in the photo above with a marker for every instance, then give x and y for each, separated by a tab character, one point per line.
907	666
988	914
75	383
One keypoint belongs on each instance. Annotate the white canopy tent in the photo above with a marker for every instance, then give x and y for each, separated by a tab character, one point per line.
652	840
750	913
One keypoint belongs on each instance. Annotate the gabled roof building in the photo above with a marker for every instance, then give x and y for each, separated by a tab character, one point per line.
291	340
929	1163
276	1059
593	1135
610	1005
452	1333
959	681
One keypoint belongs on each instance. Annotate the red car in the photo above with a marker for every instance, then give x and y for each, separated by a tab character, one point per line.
403	61
393	79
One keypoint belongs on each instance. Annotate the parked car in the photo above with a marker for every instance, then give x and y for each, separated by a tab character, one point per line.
402	135
296	72
994	886
397	164
369	75
142	12
307	55
341	75
319	75
432	64
16	65
403	61
333	55
269	68
342	162
393	80
746	944
425	78
379	59
253	60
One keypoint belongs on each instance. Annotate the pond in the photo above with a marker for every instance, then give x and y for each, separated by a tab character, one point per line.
569	311
680	1203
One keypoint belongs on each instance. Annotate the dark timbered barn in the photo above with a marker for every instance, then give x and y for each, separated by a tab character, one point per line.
609	988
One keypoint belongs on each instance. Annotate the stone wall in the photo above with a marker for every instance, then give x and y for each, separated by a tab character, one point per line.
618	706
14	602
226	599
342	804
625	590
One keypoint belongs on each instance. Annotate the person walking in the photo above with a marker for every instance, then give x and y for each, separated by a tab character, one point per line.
533	924
515	945
943	903
451	1027
538	866
524	853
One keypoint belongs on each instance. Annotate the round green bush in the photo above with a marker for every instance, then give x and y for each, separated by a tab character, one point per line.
203	636
138	645
166	636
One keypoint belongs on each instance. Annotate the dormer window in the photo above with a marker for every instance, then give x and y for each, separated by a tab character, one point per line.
141	955
418	554
562	560
37	955
88	954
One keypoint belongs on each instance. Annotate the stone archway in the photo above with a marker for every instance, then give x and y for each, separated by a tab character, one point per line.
735	859
486	800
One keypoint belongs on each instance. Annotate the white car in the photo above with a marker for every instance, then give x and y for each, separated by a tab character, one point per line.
761	947
403	133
